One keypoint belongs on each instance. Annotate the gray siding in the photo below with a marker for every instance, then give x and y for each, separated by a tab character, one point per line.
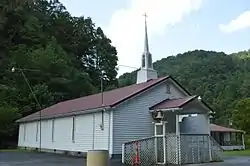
132	119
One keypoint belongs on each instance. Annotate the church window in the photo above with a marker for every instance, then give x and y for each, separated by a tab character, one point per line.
73	129
37	130
53	128
24	132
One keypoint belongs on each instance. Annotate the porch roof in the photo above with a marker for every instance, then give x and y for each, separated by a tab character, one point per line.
173	103
214	127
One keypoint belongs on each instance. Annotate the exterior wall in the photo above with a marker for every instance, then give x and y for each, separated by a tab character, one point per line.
21	135
132	119
88	134
144	75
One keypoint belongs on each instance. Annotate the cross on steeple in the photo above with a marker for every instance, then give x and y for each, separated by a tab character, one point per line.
145	15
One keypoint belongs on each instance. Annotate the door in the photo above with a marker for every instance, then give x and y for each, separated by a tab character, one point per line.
160	150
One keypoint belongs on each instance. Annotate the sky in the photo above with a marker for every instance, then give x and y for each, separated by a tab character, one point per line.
174	26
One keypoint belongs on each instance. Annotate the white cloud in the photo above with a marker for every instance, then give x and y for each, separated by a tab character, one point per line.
240	23
126	27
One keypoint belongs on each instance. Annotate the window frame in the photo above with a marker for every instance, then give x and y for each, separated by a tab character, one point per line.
73	128
53	130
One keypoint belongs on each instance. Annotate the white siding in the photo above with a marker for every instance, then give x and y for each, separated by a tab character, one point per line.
88	134
132	119
20	135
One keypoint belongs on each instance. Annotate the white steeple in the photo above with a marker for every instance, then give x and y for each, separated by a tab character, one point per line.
146	71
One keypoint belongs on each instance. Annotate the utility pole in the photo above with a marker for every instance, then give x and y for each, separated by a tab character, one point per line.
102	100
36	100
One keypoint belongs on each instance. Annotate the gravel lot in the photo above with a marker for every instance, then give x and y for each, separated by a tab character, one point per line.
47	159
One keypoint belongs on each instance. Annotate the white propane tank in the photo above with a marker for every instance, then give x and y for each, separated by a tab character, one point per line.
195	125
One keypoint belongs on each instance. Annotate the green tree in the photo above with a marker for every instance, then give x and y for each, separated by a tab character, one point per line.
67	55
241	114
8	115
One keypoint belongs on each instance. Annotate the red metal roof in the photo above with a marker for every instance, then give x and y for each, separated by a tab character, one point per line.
110	99
173	103
214	127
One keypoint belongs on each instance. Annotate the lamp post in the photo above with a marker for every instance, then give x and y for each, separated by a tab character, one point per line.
34	96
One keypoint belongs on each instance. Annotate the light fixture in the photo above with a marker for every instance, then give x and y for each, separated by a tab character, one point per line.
13	69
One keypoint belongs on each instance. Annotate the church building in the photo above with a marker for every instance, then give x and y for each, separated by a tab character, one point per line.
151	107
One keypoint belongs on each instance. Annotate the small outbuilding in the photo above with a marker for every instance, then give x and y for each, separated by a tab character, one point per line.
228	138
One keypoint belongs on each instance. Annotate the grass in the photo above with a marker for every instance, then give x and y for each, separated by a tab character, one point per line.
11	150
16	150
238	153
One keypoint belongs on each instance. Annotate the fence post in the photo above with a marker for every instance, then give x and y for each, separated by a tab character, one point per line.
136	159
210	148
164	150
123	153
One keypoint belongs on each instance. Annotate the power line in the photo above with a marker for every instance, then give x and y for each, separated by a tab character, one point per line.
129	66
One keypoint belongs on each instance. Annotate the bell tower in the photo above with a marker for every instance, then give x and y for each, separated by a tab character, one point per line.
146	71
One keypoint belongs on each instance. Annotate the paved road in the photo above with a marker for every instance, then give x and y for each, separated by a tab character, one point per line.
47	159
229	161
43	159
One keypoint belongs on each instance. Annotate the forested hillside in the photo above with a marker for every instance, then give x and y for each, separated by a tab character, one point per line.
222	80
61	56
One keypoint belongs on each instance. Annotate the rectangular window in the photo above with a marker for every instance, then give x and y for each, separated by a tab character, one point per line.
24	132
37	128
102	124
73	129
53	128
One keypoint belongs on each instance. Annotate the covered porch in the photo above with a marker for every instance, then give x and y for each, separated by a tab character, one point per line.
187	115
184	126
181	135
228	138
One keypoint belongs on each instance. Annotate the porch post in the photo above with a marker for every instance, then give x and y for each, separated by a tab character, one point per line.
164	144
156	147
178	147
243	141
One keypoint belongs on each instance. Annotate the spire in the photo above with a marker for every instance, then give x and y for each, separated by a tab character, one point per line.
146	71
146	49
146	56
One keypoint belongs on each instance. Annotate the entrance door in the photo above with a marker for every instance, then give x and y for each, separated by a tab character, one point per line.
160	133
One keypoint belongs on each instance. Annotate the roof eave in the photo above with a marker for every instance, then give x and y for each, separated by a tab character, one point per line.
154	107
74	113
166	109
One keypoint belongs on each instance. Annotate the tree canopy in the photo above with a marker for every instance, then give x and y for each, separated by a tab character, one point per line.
62	57
241	114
